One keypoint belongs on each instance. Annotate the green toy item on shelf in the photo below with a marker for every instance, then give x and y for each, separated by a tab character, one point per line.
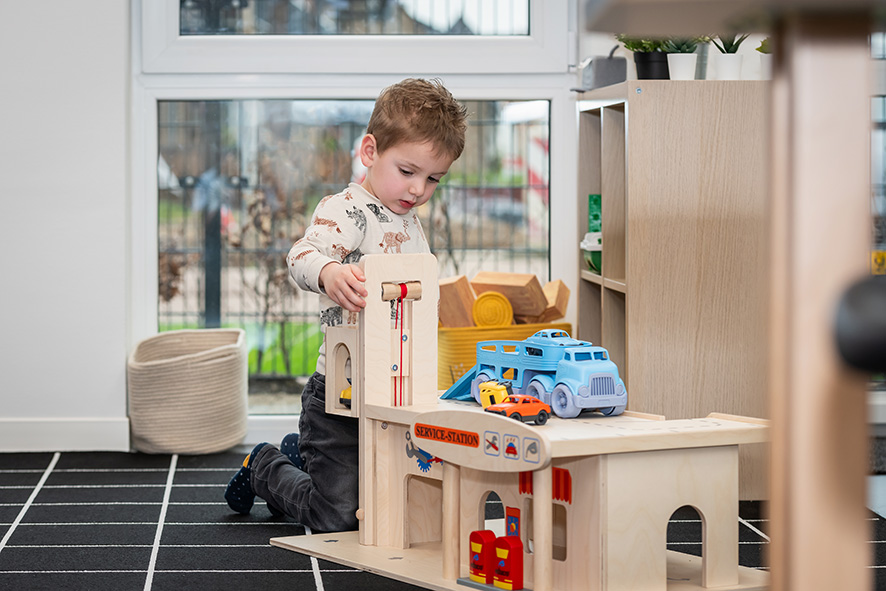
595	217
592	245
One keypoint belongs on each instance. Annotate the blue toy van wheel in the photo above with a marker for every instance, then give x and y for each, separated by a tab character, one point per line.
475	385
562	403
535	388
613	410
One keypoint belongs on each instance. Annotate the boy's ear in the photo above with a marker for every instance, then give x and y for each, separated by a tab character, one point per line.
368	150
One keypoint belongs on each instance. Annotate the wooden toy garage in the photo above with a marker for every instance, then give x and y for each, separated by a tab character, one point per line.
586	500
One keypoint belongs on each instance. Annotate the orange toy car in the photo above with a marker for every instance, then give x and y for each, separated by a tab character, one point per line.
523	408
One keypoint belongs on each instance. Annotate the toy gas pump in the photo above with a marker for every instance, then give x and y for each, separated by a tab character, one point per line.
509	565
482	556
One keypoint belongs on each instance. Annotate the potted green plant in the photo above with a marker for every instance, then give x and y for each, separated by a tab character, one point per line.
649	56
765	51
728	64
682	57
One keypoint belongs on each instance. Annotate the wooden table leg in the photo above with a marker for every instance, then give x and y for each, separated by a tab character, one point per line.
820	242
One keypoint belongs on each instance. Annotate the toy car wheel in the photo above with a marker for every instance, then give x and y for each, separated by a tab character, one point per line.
542	417
475	386
613	410
516	416
536	389
562	403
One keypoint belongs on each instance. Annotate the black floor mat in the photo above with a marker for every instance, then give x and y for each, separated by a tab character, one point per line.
99	521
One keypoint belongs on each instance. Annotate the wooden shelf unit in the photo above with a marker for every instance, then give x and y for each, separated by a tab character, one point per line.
682	299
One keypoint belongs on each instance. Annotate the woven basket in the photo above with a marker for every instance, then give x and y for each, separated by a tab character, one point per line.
187	391
457	346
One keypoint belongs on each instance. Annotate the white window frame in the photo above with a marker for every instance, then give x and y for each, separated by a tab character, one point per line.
164	50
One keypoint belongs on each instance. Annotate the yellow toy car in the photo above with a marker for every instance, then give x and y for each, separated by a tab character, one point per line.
494	391
345	397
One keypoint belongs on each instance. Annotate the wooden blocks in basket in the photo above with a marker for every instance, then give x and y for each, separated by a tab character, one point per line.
557	296
456	302
492	309
522	289
512	297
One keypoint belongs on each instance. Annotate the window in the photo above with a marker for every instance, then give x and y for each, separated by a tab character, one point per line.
878	154
357	17
254	36
560	530
878	163
241	129
878	179
238	181
492	514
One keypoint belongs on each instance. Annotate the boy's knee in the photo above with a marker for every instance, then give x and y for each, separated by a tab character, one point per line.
347	514
339	518
348	521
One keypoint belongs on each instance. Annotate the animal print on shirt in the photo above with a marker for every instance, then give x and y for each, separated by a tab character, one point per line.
339	251
358	217
391	241
331	224
382	216
331	316
299	256
354	257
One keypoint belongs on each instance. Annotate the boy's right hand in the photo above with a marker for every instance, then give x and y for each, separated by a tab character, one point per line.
344	285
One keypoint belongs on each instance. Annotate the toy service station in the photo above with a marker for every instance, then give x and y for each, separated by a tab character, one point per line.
586	500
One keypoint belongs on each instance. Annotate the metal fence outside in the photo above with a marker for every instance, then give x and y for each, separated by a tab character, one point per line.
239	181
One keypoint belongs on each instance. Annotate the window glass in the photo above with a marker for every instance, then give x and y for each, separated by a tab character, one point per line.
239	179
878	179
354	17
878	169
878	45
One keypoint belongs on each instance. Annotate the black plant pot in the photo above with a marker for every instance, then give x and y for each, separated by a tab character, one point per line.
652	65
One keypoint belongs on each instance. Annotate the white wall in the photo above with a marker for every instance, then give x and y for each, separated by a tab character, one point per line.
64	80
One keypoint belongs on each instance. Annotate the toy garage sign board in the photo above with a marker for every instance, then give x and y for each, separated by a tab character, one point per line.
482	441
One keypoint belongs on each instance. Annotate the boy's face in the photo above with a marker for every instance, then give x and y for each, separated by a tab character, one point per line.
404	176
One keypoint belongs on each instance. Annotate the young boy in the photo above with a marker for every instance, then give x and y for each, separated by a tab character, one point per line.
415	133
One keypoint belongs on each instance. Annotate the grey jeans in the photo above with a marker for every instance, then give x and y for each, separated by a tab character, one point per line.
324	496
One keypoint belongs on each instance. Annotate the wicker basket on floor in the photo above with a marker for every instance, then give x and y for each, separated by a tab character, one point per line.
187	391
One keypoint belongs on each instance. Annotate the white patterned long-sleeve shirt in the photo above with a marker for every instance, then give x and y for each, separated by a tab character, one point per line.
344	227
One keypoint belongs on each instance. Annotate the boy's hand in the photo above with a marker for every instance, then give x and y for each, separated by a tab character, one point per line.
344	285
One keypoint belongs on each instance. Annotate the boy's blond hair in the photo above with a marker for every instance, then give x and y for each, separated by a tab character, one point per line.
419	111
